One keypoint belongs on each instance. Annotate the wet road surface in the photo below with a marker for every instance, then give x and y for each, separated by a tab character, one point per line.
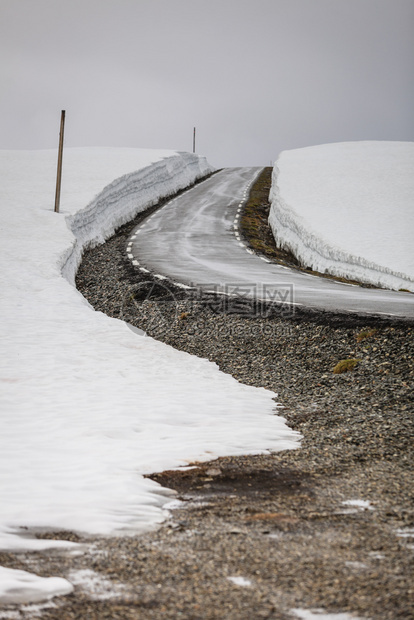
194	241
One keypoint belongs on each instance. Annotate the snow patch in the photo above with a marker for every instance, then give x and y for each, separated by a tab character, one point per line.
95	585
320	614
19	586
26	612
405	532
356	565
240	581
359	503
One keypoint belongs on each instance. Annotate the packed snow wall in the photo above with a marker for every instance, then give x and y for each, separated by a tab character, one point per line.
128	195
348	209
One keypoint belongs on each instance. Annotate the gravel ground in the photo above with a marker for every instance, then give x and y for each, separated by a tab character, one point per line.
328	526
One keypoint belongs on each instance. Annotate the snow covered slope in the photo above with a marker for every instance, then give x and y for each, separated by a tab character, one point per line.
88	406
348	209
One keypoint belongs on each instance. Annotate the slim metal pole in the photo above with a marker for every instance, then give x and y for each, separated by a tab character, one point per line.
194	134
59	166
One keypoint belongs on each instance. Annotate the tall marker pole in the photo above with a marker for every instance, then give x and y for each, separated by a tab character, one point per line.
60	157
194	132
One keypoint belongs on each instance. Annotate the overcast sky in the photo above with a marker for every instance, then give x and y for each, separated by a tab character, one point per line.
254	76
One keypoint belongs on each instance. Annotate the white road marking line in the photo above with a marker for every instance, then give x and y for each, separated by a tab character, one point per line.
386	313
237	235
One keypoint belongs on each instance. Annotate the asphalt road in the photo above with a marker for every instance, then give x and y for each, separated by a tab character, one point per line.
194	241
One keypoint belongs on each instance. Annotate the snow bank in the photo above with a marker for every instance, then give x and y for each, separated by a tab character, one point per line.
348	209
126	196
88	406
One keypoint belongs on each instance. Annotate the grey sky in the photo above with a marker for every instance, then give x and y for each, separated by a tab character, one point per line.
254	76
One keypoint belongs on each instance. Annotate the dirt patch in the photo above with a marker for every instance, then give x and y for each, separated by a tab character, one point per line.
218	479
254	223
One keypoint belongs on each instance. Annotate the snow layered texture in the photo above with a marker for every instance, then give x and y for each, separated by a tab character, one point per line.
87	405
348	209
125	196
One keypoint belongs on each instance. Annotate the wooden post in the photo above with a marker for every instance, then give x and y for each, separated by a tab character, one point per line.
194	134
60	157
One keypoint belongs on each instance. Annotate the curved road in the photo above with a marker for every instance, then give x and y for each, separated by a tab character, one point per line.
194	241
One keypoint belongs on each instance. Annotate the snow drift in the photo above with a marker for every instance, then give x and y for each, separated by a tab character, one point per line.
348	209
87	405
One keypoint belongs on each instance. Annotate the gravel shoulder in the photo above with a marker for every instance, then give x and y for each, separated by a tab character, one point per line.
329	526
